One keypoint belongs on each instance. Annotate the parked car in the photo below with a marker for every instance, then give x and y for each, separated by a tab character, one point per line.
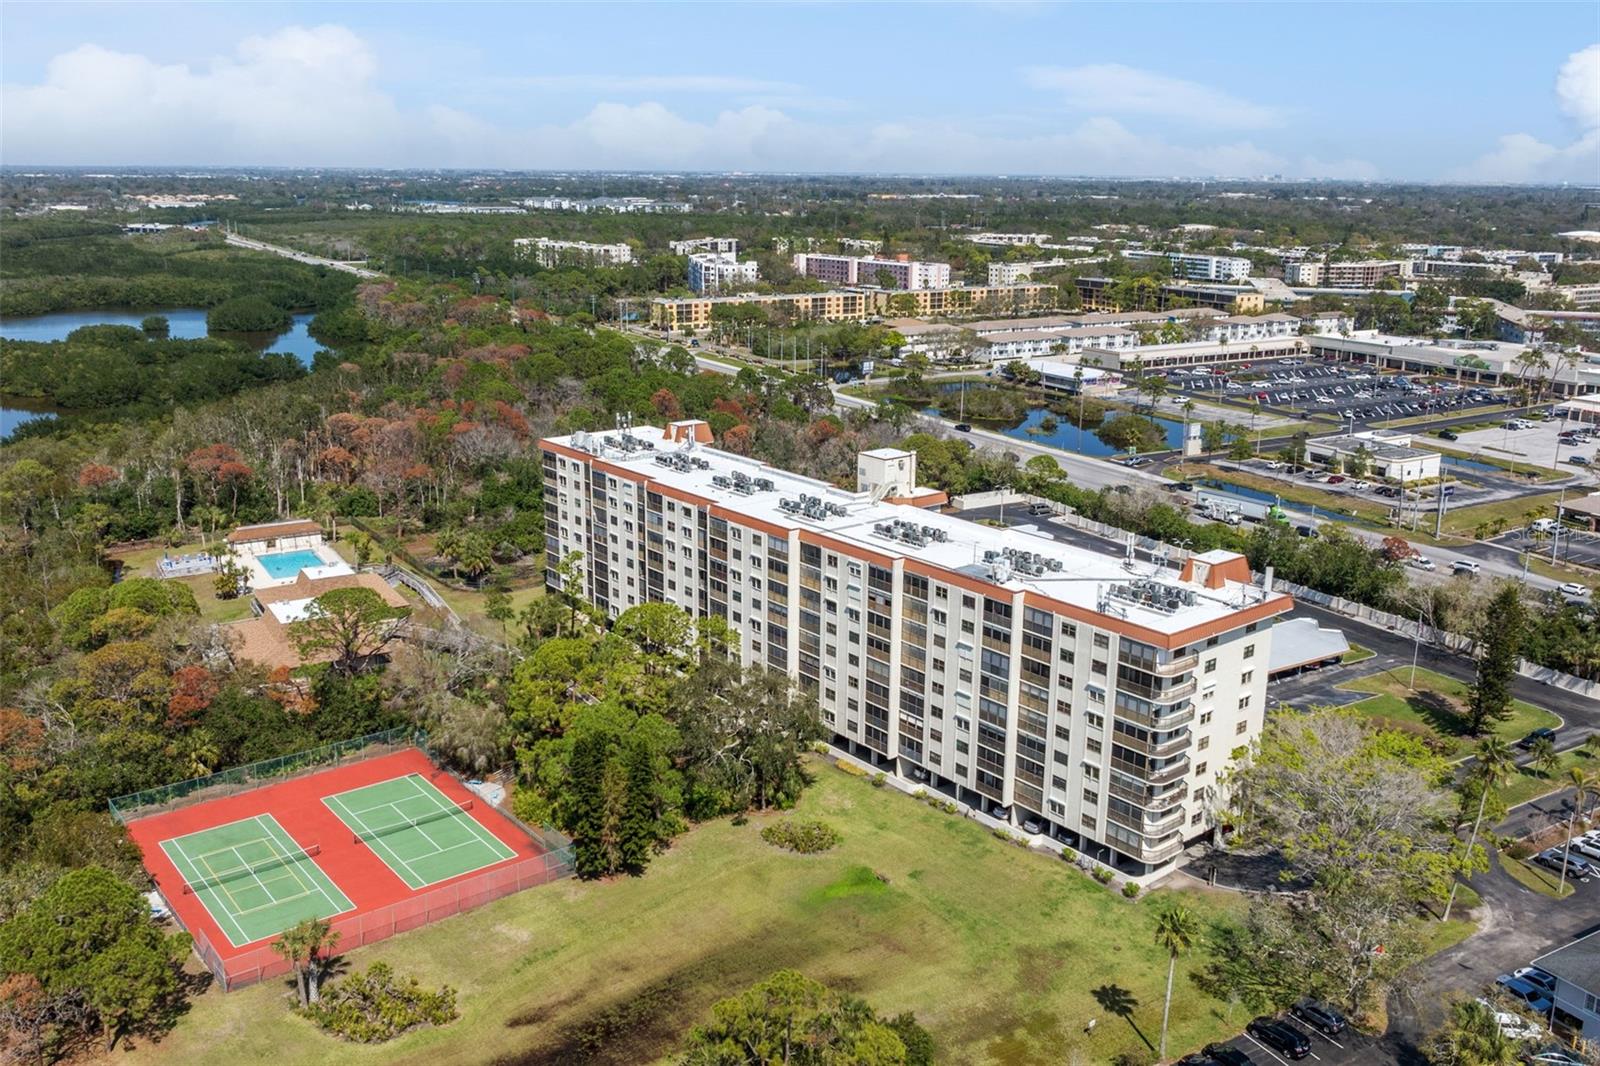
1555	1055
1572	588
1587	846
1337	479
1321	1017
1449	434
1032	825
1538	978
1184	486
1309	532
963	427
1224	1055
1513	1025
1040	509
1553	859
1542	733
1282	1037
1422	562
1518	989
1577	460
1464	566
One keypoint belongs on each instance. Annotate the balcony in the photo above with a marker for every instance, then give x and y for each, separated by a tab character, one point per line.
1147	827
1162	852
995	644
1169	668
1167	694
1156	721
1155	775
1149	799
1156	749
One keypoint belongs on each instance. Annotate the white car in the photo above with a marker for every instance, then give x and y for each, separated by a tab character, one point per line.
1572	588
1514	1026
1422	562
1587	846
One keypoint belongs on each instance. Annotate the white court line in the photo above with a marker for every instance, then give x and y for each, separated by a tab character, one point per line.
374	841
175	845
478	831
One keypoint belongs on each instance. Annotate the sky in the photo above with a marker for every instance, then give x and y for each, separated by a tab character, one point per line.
1479	92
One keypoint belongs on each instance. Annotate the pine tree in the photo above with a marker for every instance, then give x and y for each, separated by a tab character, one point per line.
1499	647
586	822
638	834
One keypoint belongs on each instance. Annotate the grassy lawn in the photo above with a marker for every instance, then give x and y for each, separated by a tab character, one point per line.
1356	654
1529	784
1434	707
1004	954
1543	473
1464	521
142	563
1419	419
1537	878
1543	568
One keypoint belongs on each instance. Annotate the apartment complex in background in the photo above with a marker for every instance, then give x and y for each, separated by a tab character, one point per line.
730	245
1009	240
1097	294
1362	274
679	314
1001	273
719	271
899	273
1196	267
1076	694
551	253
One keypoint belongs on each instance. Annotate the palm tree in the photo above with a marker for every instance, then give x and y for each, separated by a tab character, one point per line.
1496	762
1177	932
1544	756
1584	785
1472	1037
309	948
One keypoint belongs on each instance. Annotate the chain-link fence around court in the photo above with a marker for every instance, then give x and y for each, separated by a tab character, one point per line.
254	775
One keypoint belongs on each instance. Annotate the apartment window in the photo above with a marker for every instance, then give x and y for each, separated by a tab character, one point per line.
1088	823
1058	783
1098	668
1205	742
1102	641
1249	651
1200	770
1244	678
1240	727
1211	666
1091	773
1205	717
1211	642
962	746
1194	819
1244	701
1069	630
1092	746
1063	734
1098	721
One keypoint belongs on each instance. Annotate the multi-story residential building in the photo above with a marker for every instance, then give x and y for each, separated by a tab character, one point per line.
901	273
1365	273
1244	328
1583	297
870	245
1009	240
1328	321
1097	294
1034	344
1306	273
1001	273
730	245
719	271
554	253
854	305
1576	968
1074	693
1198	267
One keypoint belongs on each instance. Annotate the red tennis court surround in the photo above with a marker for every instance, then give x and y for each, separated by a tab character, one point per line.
384	904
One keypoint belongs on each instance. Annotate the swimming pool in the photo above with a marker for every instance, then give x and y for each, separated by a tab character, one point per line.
289	564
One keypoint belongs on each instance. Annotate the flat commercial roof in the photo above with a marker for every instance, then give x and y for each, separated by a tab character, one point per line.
1300	642
1101	583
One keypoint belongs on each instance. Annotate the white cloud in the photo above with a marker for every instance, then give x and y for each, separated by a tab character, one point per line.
1522	157
653	83
311	96
1115	89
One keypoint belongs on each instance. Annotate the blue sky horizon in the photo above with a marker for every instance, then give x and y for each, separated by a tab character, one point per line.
1493	93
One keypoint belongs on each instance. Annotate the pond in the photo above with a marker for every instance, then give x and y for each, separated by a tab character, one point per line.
183	323
1066	435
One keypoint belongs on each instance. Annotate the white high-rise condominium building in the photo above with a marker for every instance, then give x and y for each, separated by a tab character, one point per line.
719	271
1070	691
729	245
1198	267
553	253
868	270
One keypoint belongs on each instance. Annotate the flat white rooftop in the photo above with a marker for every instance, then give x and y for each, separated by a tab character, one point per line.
1099	582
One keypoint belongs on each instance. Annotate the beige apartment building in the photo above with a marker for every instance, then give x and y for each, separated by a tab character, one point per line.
681	314
1078	695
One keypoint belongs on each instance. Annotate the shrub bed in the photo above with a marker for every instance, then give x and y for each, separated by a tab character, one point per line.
375	1006
805	837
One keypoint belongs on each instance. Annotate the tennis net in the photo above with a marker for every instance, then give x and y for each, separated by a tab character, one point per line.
191	887
411	823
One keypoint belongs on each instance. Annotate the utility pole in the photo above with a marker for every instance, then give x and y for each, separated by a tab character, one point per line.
1438	521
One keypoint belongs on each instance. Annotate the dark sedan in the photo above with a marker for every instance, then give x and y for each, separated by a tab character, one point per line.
1281	1037
1228	1056
1321	1017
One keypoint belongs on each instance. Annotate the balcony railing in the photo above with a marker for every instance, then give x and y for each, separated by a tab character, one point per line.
1145	826
1148	798
1169	668
1162	852
1157	694
1156	721
996	644
1155	775
1158	749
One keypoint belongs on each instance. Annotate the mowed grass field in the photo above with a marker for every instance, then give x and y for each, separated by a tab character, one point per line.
1005	955
1436	707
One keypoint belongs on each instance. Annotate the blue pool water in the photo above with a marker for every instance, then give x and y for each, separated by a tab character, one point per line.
289	564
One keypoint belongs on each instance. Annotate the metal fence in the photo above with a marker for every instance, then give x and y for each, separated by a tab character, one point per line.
369	927
253	775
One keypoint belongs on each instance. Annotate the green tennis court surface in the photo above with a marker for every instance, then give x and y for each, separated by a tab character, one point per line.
417	830
253	878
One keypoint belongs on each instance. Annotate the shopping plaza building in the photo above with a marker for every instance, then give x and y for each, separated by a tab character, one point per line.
1081	695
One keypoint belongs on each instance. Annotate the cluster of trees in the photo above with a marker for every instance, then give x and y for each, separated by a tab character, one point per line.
622	737
105	372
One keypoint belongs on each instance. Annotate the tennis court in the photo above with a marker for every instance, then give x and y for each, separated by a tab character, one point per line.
418	831
253	878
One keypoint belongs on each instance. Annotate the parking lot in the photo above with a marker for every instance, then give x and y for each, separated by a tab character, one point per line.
1576	546
1539	444
1343	390
1349	1048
